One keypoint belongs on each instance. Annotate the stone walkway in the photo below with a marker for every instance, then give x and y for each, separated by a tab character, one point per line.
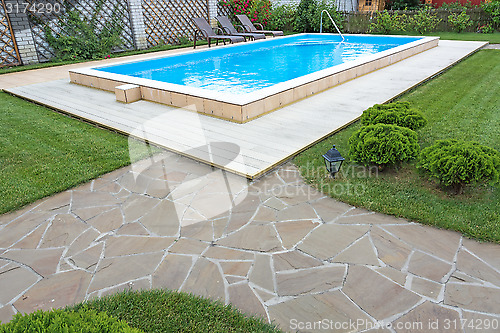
275	248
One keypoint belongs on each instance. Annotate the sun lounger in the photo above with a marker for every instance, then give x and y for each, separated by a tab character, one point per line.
249	27
206	31
231	30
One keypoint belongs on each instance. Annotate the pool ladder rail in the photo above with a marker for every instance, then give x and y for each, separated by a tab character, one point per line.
331	19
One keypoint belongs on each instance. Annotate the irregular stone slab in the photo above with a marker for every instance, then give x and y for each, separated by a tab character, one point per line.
266	184
56	291
486	251
158	188
328	240
428	267
378	296
242	297
107	221
172	272
217	252
329	209
264	296
125	245
105	185
265	214
301	211
89	258
248	204
90	212
142	284
309	280
162	219
14	280
441	243
478	322
296	194
460	277
17	229
294	260
300	314
219	226
188	246
58	202
429	317
275	203
471	297
261	273
132	229
425	287
9	217
212	204
82	242
202	231
32	240
236	221
136	206
294	231
205	280
391	250
6	314
43	261
393	274
362	252
115	271
85	199
63	231
240	268
253	237
234	279
133	182
470	265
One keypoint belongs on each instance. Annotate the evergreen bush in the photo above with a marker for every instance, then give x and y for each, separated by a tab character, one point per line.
398	113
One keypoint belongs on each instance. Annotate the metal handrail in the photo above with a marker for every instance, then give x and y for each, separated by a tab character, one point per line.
331	19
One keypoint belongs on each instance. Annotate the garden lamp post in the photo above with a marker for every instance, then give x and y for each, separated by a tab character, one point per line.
333	161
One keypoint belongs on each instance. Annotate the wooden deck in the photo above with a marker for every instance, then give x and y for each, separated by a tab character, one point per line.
255	147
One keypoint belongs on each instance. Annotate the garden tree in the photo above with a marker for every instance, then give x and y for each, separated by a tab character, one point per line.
457	163
401	4
397	113
460	22
308	16
493	9
383	145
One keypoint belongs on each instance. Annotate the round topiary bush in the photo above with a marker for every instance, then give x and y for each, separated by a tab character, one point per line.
383	144
457	163
398	113
59	321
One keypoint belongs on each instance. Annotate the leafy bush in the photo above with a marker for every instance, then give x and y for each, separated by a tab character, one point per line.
425	20
308	16
485	29
66	322
459	22
457	163
402	4
282	17
85	39
398	113
383	144
387	23
257	10
493	9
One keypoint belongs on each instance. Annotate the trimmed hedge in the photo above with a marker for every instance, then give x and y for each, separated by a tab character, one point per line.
383	144
61	321
398	113
457	163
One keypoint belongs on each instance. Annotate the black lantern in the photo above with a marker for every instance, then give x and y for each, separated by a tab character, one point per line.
333	161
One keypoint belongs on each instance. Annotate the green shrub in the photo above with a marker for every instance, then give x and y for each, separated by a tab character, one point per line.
85	39
457	163
425	20
398	113
308	16
282	17
386	23
257	10
56	321
486	29
402	4
493	9
383	144
459	22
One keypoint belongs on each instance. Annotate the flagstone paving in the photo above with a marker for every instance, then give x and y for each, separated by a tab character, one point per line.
274	248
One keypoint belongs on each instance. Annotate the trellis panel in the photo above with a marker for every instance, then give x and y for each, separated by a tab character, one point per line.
9	54
86	8
167	21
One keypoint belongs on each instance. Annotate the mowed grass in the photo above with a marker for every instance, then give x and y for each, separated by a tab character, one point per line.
169	311
462	103
43	152
493	38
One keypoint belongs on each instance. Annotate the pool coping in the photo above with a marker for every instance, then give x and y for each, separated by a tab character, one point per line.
247	107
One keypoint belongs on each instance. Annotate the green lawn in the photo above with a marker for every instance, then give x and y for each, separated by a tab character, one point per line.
462	103
493	38
43	152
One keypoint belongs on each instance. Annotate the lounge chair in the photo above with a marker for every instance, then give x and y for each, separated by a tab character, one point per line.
208	33
245	21
231	30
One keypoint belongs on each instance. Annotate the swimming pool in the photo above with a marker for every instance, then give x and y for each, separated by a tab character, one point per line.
241	82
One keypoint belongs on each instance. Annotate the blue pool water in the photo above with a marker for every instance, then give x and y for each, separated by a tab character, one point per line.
251	66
